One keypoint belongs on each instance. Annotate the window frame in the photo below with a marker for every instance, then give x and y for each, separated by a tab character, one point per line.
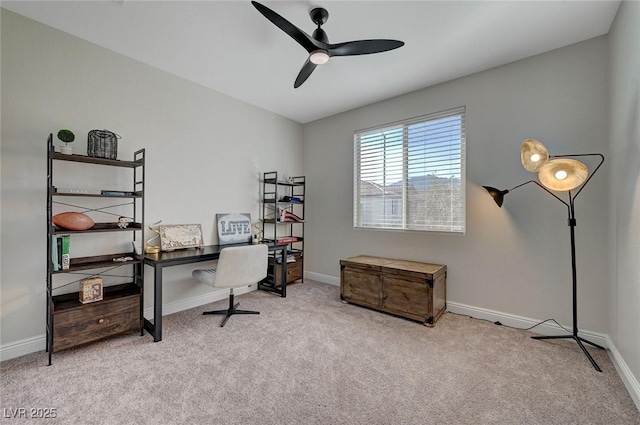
456	216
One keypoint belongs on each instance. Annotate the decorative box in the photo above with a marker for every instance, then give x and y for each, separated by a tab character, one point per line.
90	290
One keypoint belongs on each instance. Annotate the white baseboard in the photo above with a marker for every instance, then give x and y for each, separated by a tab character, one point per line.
625	373
23	347
323	278
548	328
38	343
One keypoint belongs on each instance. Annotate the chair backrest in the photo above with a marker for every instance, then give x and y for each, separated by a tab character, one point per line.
241	266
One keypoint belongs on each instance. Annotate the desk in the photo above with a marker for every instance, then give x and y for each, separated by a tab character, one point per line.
195	255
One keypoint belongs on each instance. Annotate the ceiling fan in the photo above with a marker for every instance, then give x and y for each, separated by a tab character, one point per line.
318	46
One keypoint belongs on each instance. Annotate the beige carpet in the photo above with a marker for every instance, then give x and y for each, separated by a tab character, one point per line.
310	359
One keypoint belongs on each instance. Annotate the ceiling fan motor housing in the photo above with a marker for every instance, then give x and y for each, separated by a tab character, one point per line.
319	15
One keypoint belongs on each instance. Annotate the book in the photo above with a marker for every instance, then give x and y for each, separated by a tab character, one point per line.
78	191
287	239
290	259
59	252
117	193
65	260
54	253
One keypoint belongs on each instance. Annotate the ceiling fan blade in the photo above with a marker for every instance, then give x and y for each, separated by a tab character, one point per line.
306	70
294	32
363	47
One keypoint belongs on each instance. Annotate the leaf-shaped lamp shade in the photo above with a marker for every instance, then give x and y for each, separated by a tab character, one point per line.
533	155
562	174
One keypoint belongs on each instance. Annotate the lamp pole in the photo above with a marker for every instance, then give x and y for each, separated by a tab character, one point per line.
578	339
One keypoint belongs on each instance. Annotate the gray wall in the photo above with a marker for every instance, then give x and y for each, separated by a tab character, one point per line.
514	260
624	41
204	152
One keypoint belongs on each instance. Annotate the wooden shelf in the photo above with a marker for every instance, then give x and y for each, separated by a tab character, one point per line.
97	195
99	227
274	221
94	160
100	262
279	183
273	201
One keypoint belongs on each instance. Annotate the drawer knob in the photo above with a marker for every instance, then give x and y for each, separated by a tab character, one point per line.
101	321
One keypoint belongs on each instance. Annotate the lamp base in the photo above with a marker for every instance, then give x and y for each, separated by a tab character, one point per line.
579	340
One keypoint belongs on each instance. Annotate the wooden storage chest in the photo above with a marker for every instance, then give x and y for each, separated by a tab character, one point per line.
410	289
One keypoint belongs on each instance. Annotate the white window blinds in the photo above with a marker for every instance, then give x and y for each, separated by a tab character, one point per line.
410	175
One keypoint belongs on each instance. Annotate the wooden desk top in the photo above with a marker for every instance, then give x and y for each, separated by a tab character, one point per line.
192	255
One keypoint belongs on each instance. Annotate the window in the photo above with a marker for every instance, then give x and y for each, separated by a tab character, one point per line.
410	175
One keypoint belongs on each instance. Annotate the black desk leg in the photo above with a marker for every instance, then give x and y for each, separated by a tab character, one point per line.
157	303
283	282
155	328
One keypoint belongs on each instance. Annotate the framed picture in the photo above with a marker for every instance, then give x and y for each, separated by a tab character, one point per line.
233	228
180	236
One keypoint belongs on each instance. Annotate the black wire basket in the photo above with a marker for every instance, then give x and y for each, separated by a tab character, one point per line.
102	144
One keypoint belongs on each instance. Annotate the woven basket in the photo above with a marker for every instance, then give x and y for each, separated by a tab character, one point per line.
102	144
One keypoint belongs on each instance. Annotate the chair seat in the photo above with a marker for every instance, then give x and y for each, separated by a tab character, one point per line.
207	276
237	266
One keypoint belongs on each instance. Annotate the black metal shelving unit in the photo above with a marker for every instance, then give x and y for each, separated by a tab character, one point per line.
287	195
81	265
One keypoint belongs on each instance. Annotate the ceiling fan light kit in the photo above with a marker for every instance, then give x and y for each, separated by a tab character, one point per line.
319	57
317	45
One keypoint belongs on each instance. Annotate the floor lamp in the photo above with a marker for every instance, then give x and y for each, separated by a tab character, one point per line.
557	173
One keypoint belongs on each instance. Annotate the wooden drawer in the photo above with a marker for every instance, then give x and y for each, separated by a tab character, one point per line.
294	270
75	323
409	289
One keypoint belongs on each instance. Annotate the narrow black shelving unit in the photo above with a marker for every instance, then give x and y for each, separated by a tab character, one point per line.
69	322
283	220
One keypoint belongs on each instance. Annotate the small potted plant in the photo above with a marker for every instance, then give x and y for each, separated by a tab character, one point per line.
67	137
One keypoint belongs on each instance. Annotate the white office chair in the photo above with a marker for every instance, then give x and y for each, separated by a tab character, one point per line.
237	266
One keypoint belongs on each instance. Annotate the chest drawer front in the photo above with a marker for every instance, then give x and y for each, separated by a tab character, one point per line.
96	321
407	297
294	270
361	286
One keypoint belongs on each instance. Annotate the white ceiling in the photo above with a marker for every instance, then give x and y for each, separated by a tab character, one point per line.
230	47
